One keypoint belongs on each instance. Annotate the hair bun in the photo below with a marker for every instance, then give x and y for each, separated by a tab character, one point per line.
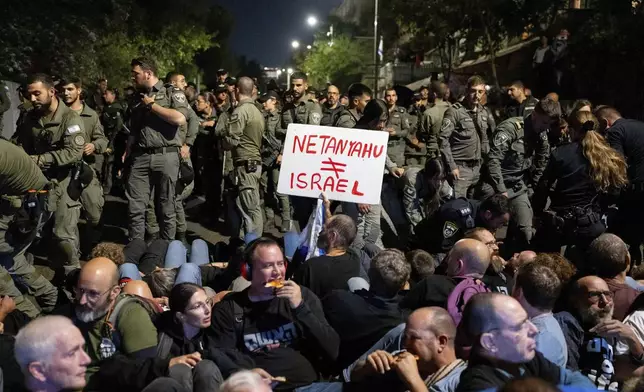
588	126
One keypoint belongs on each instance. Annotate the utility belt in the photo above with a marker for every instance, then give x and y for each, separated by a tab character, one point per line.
82	176
28	216
573	218
249	164
156	150
396	142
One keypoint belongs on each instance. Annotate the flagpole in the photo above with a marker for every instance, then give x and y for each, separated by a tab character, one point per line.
375	50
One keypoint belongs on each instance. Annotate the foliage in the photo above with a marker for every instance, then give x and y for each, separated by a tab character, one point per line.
343	62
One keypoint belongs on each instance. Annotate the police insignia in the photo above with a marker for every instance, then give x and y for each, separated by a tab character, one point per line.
73	129
159	97
79	140
315	117
234	118
179	97
106	349
449	229
500	138
544	136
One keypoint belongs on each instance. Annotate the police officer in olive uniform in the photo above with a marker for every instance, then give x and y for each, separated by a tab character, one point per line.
154	147
415	150
331	109
223	187
522	105
272	145
112	120
54	136
398	127
463	138
429	125
5	102
23	189
516	147
359	96
243	138
301	111
91	198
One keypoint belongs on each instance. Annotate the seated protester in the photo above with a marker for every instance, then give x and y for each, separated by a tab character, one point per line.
503	346
468	259
608	257
537	288
332	271
51	356
428	362
422	265
274	324
362	317
496	276
11	319
245	381
517	260
181	334
602	348
455	217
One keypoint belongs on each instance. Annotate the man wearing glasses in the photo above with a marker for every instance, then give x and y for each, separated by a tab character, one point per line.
463	138
504	347
331	109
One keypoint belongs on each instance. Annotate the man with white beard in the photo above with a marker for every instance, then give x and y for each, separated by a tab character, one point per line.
604	349
96	298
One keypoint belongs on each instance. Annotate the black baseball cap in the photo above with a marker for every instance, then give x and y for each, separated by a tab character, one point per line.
417	97
221	71
266	96
221	88
231	81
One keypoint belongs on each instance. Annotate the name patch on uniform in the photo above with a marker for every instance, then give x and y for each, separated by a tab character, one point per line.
449	229
73	129
501	138
179	97
79	140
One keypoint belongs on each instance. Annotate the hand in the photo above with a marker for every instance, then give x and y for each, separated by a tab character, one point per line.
505	194
7	305
210	123
613	329
108	150
147	100
263	374
406	366
292	292
327	207
380	361
124	157
391	131
190	360
1	327
279	159
162	301
364	208
185	151
89	149
456	174
397	172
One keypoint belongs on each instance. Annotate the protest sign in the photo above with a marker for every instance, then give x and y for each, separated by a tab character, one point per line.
345	164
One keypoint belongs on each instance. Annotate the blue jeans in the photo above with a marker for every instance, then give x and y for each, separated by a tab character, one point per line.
189	271
129	271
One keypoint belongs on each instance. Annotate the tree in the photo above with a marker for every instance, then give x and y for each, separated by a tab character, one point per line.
342	63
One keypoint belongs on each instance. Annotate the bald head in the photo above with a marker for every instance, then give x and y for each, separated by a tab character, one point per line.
101	269
485	312
245	86
434	319
468	257
138	287
589	283
340	230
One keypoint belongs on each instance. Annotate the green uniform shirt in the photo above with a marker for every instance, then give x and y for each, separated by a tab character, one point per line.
399	121
301	112
18	172
93	132
429	126
5	103
58	140
192	127
348	118
150	130
244	132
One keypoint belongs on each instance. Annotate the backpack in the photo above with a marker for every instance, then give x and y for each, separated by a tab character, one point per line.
462	293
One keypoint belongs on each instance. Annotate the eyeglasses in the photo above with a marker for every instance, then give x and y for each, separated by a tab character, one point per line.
91	295
515	328
594	296
204	305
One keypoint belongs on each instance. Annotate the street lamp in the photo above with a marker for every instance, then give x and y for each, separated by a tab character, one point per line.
312	21
295	44
308	47
279	72
289	72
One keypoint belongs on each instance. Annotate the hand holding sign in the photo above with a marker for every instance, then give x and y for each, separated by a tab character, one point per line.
347	165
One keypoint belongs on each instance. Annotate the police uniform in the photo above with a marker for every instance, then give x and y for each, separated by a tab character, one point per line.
272	145
523	109
450	223
515	149
155	162
415	189
223	185
348	118
244	139
415	156
429	127
463	142
302	112
329	115
112	120
399	121
18	176
5	102
56	144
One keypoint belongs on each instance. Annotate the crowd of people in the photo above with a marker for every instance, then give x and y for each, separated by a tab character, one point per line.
504	254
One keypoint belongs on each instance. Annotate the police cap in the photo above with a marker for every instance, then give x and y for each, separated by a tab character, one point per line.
231	81
221	88
266	96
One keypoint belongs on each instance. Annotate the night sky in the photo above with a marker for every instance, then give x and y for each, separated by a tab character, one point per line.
264	29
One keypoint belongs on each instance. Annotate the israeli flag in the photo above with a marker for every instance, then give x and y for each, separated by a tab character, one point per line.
308	241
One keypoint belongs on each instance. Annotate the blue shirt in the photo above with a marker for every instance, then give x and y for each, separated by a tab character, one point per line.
550	339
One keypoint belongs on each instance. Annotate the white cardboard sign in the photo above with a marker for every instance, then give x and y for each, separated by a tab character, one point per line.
345	164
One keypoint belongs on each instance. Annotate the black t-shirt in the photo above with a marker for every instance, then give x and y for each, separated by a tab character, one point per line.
361	319
327	273
285	342
596	359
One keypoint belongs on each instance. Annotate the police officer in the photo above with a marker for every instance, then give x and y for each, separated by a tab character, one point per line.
518	154
626	136
112	120
5	102
463	138
54	136
95	99
243	138
23	190
272	145
222	75
415	152
154	149
359	97
301	111
429	125
398	127
521	105
331	109
92	198
230	85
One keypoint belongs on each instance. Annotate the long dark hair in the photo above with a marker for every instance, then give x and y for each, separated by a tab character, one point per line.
435	175
209	97
180	296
